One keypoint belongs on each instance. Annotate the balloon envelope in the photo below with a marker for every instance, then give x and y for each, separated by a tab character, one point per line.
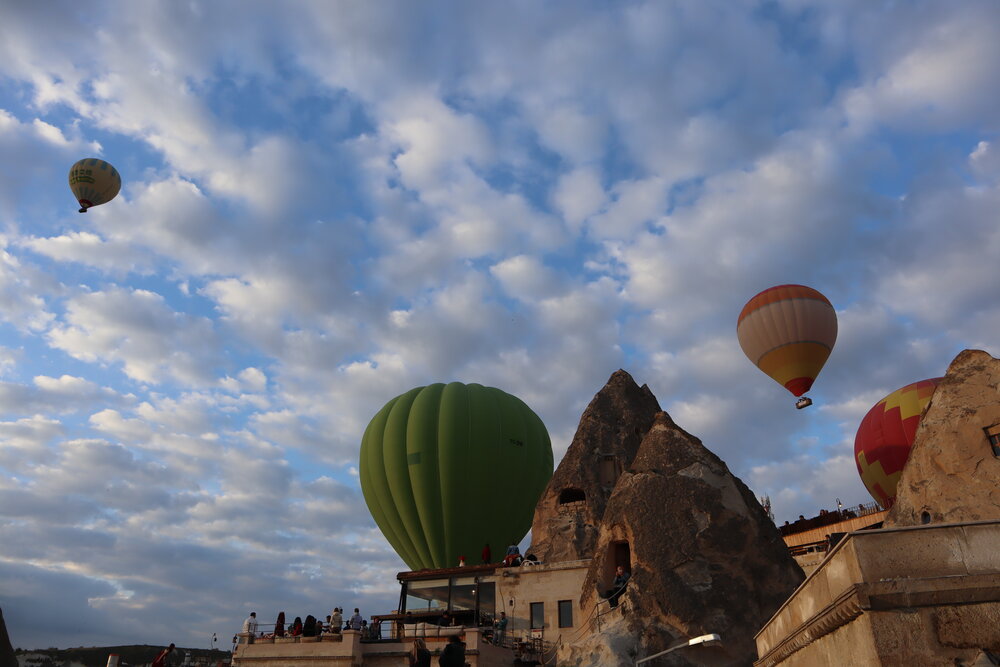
788	332
447	469
885	436
94	182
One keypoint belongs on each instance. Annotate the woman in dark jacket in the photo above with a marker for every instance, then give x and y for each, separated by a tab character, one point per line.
279	625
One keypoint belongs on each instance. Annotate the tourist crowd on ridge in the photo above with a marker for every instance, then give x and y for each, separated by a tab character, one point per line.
311	626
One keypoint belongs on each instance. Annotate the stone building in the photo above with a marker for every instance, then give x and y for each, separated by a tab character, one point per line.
925	588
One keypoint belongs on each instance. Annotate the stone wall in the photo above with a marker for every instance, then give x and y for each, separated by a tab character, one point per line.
547	583
924	595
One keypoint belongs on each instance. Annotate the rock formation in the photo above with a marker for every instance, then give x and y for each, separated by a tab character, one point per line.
7	657
567	515
705	558
953	471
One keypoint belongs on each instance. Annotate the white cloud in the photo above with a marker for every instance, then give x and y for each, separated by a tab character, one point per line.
578	195
88	248
138	329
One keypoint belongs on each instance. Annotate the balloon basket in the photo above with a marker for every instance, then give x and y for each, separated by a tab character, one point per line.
803	402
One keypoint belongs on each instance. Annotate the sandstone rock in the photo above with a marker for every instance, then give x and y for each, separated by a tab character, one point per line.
566	517
952	474
7	657
704	557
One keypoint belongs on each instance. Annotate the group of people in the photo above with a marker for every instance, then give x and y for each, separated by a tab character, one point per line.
452	655
312	626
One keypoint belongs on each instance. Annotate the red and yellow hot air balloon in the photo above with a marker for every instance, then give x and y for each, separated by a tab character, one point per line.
788	332
885	437
94	182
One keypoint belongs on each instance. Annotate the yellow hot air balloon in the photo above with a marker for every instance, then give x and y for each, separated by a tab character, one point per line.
94	182
788	332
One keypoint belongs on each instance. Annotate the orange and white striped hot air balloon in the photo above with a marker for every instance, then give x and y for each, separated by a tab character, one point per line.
788	332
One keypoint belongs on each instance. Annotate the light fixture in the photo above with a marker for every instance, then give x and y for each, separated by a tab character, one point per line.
707	640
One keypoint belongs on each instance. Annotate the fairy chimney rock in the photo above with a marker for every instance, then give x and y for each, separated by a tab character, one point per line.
953	470
704	556
7	657
567	515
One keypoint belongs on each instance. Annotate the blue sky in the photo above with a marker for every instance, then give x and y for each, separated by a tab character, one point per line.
328	203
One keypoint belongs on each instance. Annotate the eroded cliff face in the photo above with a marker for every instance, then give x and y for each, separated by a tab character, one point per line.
567	516
705	558
953	474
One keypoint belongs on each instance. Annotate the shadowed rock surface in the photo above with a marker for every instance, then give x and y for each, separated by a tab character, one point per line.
705	558
952	474
7	658
567	515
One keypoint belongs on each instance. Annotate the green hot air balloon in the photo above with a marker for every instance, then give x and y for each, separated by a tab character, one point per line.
447	469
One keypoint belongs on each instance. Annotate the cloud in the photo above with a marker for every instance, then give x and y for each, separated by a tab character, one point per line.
139	330
62	395
88	248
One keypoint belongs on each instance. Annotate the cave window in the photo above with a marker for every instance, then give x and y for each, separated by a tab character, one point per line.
993	435
571	496
609	470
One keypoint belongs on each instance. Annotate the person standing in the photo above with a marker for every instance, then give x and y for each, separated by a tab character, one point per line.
356	620
336	620
487	556
501	629
161	659
453	654
250	627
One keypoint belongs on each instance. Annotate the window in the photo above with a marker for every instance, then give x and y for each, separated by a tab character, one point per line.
487	599
571	496
608	470
426	595
537	615
565	613
463	593
993	434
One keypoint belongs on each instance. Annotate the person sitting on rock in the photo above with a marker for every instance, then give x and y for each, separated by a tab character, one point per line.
617	586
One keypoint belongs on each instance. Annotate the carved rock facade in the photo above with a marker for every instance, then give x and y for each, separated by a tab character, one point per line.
953	473
567	516
705	558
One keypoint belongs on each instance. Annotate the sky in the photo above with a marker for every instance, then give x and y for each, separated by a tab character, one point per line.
326	204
